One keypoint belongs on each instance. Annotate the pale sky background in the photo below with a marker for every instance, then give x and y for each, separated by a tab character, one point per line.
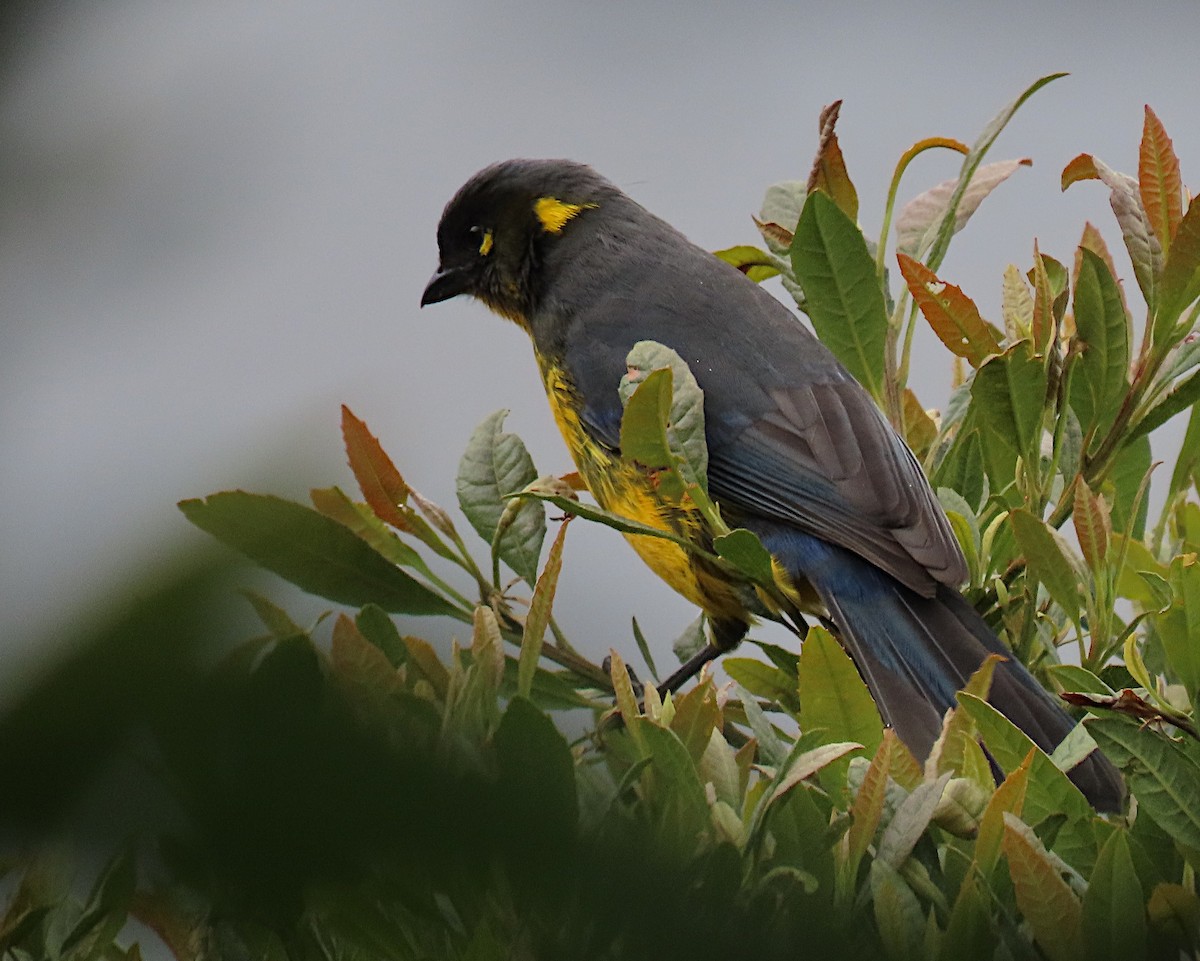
218	217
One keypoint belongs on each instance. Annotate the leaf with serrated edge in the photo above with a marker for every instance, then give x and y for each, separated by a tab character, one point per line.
1114	916
1159	180
1050	791
1045	899
1163	776
380	482
833	697
951	313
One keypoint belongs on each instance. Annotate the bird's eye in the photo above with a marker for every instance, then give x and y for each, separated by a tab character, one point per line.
485	239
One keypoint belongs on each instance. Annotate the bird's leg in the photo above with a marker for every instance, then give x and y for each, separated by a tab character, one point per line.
690	668
726	635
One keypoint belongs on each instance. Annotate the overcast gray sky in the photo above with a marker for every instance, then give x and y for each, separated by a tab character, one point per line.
218	216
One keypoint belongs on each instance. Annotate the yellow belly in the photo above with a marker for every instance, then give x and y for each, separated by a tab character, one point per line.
624	488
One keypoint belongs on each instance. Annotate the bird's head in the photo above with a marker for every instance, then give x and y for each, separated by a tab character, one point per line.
498	230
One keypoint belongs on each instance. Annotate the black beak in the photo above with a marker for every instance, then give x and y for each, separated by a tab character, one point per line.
446	282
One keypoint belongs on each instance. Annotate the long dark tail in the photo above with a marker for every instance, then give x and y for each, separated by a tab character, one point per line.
916	652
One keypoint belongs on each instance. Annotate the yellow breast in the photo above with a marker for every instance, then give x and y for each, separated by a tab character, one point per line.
624	488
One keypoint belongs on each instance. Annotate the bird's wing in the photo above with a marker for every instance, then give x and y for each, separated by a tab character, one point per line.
792	438
822	457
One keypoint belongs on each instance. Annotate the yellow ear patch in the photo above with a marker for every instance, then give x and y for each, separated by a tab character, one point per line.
485	245
553	213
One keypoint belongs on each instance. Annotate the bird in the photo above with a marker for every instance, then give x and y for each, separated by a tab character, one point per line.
798	451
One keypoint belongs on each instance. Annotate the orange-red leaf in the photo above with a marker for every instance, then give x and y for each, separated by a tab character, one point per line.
1093	525
1082	167
951	313
829	167
920	431
1042	324
1159	181
1049	905
380	482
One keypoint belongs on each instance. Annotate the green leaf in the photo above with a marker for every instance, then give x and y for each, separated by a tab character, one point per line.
1101	375
756	264
662	426
274	618
1187	465
1007	398
537	775
1072	677
763	680
106	909
1045	899
1130	467
898	913
379	629
494	465
771	749
745	551
968	932
539	614
1180	397
910	821
833	697
1114	912
867	808
1179	626
843	297
1161	774
673	790
592	513
1181	273
315	553
1049	790
1048	560
810	762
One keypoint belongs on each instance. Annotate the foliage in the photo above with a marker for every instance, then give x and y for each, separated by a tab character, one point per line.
374	797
